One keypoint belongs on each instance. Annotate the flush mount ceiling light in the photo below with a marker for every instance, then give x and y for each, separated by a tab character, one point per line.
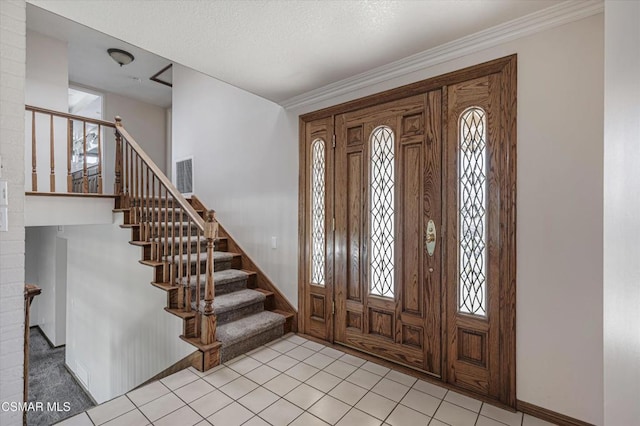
120	56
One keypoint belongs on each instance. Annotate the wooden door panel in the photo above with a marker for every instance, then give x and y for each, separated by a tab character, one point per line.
395	328
317	298
474	339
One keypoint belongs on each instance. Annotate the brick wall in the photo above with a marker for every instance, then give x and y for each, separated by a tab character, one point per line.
12	80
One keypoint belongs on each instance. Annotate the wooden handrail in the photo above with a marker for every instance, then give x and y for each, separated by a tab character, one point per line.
182	202
67	115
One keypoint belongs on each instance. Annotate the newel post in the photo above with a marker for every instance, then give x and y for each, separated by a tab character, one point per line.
208	330
117	190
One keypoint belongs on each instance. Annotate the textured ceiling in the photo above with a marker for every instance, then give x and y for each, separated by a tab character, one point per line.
89	64
279	49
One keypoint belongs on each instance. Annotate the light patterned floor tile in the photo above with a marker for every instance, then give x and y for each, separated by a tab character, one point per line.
304	396
256	421
148	393
238	388
281	413
463	401
162	406
262	374
110	410
300	353
324	381
357	417
329	409
194	390
294	338
307	419
420	401
233	414
81	419
430	388
210	403
348	393
264	354
319	360
376	405
353	360
221	377
486	421
132	418
314	346
405	379
185	416
302	371
455	415
179	379
245	365
340	369
282	363
282	384
375	368
282	346
258	399
364	378
405	416
333	353
504	416
436	422
390	389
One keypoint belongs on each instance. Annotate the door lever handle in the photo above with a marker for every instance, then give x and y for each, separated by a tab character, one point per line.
430	237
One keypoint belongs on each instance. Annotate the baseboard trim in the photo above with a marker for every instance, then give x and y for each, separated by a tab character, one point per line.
82	386
548	415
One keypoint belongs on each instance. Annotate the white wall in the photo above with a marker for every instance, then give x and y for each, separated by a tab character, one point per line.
245	167
118	334
47	86
559	207
43	210
46	266
12	75
145	122
621	207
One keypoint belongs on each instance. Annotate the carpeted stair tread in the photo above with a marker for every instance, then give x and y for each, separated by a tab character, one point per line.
218	256
247	327
219	277
235	300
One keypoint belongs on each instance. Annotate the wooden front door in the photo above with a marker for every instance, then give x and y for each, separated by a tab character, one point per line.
408	226
387	215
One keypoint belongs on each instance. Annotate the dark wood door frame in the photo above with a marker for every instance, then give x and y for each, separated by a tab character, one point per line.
506	165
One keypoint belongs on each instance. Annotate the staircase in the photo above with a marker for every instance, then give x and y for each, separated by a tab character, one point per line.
227	305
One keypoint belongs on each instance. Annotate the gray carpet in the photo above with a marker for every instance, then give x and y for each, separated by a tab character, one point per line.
50	381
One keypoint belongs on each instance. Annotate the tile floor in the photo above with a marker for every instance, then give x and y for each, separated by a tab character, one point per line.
297	382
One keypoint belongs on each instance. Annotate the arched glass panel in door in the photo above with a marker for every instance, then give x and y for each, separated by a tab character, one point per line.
472	211
318	238
381	212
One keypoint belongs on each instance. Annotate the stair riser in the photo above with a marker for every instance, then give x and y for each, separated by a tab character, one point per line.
244	346
219	265
219	245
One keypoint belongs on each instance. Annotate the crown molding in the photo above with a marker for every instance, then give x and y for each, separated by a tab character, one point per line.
542	20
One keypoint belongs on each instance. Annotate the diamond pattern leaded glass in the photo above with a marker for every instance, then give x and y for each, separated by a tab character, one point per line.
382	212
472	192
317	212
